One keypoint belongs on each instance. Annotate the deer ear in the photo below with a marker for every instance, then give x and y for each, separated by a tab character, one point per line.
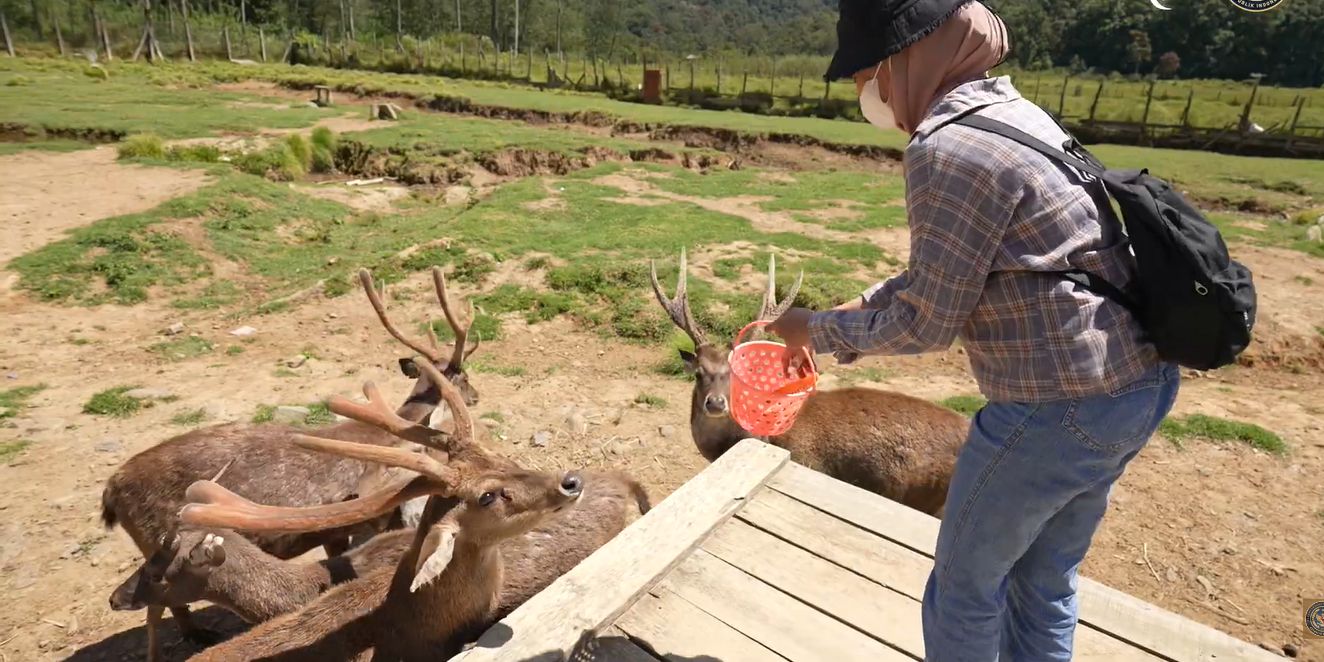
436	552
690	359
409	369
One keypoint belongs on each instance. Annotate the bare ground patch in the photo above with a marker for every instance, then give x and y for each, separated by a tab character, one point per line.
48	193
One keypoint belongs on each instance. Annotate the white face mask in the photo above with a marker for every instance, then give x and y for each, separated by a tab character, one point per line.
875	110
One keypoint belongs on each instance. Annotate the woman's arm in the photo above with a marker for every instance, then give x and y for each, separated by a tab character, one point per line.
959	206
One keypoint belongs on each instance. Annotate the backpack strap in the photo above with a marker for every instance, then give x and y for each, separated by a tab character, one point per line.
1088	280
1016	135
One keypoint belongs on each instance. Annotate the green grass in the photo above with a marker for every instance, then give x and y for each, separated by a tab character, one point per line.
217	294
264	414
182	349
318	414
189	418
114	403
535	306
138	99
966	405
16	399
650	400
480	365
1198	426
494	416
234	350
142	146
487	326
10	449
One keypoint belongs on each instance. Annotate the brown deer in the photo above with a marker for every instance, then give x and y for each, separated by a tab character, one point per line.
147	491
895	445
445	588
225	568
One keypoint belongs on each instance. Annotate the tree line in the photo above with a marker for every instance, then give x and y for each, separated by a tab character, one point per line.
1197	39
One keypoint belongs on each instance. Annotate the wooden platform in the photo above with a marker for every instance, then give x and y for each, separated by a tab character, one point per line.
759	559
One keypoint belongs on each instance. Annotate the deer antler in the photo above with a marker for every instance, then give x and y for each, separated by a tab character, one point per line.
678	308
211	505
771	310
365	278
459	353
380	415
391	457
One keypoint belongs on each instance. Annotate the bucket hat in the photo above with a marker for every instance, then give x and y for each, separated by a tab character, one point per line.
870	31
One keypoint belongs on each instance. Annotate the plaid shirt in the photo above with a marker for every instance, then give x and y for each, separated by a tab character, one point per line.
987	218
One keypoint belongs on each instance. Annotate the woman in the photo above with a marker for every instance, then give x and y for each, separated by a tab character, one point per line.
1074	391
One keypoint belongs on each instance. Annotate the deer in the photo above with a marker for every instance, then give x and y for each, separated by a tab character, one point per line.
444	589
895	445
146	492
227	569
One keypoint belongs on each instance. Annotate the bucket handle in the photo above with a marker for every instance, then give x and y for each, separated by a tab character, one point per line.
806	381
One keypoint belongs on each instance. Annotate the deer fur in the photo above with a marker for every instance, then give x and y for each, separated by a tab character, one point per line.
258	586
225	568
445	587
895	445
145	493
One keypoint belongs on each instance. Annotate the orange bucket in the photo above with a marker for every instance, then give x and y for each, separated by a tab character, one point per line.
764	399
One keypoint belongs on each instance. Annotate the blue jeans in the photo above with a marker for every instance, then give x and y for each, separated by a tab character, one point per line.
1029	490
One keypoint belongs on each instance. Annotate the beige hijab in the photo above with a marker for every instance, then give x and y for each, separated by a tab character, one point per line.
962	49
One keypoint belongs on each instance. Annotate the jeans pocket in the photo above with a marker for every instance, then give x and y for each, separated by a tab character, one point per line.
1119	420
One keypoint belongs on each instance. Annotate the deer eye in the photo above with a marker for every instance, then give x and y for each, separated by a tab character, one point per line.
487	498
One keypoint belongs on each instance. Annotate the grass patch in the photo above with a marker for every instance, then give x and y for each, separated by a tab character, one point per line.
319	414
189	418
182	349
1200	426
494	416
234	350
966	405
219	294
114	403
535	306
15	399
479	366
649	400
485	325
10	449
264	414
142	146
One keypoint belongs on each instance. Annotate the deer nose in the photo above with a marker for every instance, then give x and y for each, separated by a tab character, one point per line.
715	404
572	484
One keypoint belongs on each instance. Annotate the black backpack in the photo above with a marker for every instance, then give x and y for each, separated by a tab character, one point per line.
1195	303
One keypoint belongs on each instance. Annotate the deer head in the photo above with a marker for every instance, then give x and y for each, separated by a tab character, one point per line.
169	579
708	362
492	498
452	365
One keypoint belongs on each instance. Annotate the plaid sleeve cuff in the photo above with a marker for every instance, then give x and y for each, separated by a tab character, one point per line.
821	326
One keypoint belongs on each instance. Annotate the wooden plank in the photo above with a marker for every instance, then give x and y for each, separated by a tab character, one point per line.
674	629
1123	616
789	627
886	563
884	614
605	584
613	646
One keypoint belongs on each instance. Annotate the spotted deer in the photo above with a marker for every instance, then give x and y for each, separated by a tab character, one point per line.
445	588
892	444
146	492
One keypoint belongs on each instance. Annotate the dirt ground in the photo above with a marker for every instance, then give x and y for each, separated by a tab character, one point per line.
1223	534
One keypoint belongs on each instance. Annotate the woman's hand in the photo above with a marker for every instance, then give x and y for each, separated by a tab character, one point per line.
793	328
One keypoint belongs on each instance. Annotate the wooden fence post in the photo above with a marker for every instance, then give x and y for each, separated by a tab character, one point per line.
1144	119
59	36
9	42
691	75
262	41
1186	112
1062	98
1291	131
188	30
1244	125
225	36
463	63
772	84
1094	105
744	81
801	93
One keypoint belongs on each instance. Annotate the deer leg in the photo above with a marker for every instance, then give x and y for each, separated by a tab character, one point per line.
336	547
192	631
153	638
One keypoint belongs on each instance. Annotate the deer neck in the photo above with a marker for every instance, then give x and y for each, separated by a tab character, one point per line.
713	435
258	586
457	605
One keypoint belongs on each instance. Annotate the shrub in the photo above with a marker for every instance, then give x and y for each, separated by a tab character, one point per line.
195	154
142	146
300	150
